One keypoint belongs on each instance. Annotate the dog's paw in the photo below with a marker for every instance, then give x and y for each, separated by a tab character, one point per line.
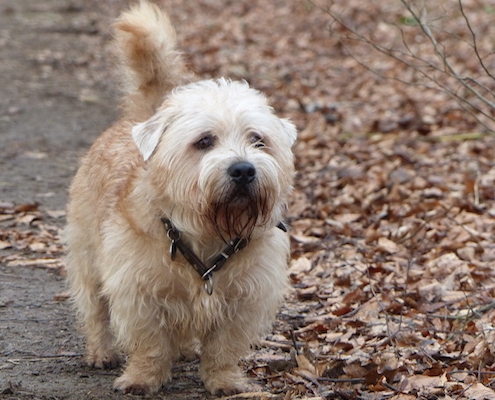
132	388
137	385
109	360
227	383
230	388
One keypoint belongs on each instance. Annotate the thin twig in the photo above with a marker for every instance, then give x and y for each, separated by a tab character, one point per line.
43	358
251	395
390	335
475	45
389	386
427	69
344	380
443	57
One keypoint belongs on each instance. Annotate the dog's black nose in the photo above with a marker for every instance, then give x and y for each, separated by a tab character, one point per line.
242	173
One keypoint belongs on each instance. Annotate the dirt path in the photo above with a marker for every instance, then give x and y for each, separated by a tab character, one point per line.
52	101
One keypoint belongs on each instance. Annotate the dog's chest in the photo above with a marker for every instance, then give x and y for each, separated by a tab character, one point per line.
187	305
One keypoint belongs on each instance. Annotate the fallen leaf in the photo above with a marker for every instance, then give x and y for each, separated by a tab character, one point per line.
387	246
5	245
419	382
42	262
302	264
479	391
305	365
27	207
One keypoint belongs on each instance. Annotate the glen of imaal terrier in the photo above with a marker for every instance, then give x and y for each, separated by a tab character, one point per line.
175	238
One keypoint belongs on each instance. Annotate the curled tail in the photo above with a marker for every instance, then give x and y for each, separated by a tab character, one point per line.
145	42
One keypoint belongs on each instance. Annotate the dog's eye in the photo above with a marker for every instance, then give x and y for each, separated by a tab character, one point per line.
257	140
205	142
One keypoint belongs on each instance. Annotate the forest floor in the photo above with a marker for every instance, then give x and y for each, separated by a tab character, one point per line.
392	217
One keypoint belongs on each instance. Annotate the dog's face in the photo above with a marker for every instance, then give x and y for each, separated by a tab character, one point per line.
219	161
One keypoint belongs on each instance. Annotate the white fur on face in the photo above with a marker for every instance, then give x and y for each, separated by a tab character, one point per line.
212	100
233	116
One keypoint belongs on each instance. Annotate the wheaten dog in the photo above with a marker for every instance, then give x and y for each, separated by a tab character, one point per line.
175	241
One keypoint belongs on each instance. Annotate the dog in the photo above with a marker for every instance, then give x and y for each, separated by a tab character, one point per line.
175	238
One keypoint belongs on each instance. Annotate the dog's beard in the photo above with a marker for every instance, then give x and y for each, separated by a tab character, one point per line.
238	210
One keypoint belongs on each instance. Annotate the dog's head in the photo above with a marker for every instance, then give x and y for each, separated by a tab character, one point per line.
218	159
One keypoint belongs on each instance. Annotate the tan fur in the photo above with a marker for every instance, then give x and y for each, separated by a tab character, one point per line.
132	299
145	44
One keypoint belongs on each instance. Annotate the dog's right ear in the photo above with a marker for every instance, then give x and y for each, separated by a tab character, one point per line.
290	130
147	135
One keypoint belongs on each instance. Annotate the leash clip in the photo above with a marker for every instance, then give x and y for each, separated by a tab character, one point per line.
174	236
208	284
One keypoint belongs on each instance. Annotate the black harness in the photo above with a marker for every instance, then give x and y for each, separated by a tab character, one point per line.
205	271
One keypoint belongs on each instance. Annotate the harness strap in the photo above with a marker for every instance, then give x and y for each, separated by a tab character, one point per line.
192	258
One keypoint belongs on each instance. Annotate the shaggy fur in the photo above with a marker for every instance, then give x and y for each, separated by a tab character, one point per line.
169	156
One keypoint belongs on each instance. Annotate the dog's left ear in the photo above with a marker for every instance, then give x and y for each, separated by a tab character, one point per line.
290	130
147	135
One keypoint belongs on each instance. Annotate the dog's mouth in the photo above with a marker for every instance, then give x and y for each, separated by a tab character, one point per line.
239	210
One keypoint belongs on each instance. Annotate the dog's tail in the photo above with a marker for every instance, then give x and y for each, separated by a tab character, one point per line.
145	43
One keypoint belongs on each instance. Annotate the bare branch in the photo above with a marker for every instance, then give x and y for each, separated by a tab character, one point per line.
475	45
469	92
442	55
466	105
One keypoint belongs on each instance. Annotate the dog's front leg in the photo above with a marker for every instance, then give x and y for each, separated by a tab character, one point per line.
148	367
220	354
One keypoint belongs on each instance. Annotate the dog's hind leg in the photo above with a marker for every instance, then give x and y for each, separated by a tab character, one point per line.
91	305
100	351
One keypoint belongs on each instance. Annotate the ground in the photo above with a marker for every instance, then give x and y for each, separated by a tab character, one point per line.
392	215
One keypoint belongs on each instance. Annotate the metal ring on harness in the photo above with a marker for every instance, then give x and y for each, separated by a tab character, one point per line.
209	284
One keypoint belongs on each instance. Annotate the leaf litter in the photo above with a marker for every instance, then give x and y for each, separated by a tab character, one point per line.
392	215
27	239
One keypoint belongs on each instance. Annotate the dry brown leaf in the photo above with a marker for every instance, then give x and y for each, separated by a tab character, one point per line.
27	207
305	365
305	239
6	217
40	262
26	219
479	352
401	396
302	264
387	245
56	213
348	217
479	391
37	246
467	253
387	361
420	382
355	370
61	296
